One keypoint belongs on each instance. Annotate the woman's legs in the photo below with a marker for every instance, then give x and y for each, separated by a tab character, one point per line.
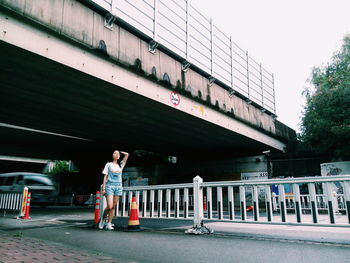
106	211
109	199
114	201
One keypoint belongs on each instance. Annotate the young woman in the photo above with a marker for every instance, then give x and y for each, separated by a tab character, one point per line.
112	187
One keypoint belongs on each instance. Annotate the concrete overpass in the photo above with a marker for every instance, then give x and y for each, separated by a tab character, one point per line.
72	87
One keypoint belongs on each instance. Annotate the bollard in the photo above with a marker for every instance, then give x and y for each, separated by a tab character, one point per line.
97	208
26	216
24	203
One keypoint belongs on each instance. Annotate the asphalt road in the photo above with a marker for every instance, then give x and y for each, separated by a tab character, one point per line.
168	243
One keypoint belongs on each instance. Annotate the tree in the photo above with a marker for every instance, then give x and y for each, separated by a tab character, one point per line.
326	121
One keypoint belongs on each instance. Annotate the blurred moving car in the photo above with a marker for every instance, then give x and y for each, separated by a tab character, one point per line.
42	188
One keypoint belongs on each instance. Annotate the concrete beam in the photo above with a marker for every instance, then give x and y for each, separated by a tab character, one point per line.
57	49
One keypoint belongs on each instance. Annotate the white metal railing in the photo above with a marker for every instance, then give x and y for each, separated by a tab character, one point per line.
179	27
245	201
321	200
162	201
11	201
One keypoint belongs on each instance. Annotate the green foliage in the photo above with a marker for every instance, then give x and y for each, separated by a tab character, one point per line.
326	121
60	167
18	234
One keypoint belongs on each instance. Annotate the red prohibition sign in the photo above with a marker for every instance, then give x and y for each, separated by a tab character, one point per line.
175	98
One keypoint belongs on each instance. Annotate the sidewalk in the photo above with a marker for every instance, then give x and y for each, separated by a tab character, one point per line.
16	249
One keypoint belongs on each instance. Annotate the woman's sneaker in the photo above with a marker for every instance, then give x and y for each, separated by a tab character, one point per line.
109	226
102	224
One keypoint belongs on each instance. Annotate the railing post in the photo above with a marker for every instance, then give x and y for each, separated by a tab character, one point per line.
113	10
186	202
151	204
130	194
248	80
231	64
262	86
198	201
155	20
273	88
256	203
211	48
314	211
160	203
123	203
219	202
297	207
346	187
209	203
137	194
268	203
329	195
282	201
243	202
187	29
231	203
144	203
177	202
167	202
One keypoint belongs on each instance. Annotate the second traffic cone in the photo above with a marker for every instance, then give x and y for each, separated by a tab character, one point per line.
134	222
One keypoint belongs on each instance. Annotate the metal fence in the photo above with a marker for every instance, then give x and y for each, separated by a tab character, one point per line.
11	201
255	201
179	27
162	201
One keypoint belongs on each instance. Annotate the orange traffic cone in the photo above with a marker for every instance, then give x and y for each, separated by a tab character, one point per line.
134	222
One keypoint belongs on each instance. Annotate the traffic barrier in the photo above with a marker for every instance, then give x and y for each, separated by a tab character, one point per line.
26	216
10	202
134	222
97	208
14	202
270	205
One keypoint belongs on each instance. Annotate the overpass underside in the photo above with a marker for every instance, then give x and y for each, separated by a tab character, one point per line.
41	94
60	110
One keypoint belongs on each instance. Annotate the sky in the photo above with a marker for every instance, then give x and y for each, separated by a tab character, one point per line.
289	38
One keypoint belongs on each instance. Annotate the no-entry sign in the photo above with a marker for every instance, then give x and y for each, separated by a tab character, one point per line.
174	98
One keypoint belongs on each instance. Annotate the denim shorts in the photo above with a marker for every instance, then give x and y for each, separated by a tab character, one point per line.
114	190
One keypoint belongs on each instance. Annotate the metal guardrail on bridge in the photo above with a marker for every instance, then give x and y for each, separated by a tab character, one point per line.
245	201
179	27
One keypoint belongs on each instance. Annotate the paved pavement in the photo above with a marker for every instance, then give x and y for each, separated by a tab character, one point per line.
16	248
66	235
